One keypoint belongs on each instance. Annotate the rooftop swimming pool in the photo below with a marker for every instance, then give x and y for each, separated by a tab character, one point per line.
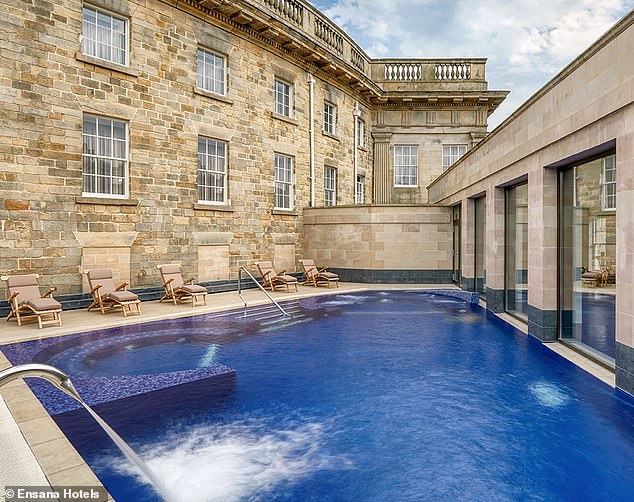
376	396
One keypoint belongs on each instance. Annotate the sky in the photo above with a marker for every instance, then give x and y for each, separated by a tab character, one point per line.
526	41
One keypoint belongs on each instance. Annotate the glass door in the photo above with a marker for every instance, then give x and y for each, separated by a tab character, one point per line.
480	246
456	245
587	257
516	252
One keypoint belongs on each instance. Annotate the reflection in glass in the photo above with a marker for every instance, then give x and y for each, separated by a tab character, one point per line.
516	251
480	246
587	255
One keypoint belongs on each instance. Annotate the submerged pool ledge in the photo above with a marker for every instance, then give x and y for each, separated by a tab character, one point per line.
99	390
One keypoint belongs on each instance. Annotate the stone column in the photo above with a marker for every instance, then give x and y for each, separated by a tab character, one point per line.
625	258
467	245
495	249
542	253
383	176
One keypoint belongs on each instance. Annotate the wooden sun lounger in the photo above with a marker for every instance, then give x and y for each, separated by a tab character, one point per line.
315	276
107	296
177	290
273	280
27	303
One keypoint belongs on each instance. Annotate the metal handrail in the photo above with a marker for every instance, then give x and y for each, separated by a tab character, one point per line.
257	283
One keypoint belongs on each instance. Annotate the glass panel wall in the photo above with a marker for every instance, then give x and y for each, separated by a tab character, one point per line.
480	246
516	252
455	276
587	256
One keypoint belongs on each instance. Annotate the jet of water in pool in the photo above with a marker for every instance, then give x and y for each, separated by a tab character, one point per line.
63	383
245	459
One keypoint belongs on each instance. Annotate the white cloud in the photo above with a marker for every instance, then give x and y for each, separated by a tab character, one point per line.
526	41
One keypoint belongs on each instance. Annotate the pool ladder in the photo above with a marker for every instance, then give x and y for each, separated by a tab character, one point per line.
257	283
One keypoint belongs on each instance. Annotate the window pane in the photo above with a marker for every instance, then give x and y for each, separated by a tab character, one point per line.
405	165
102	174
104	35
516	251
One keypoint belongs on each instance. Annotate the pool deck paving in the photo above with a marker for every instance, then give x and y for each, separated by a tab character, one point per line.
34	450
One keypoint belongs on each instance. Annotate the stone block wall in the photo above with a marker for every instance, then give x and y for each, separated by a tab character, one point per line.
48	85
381	243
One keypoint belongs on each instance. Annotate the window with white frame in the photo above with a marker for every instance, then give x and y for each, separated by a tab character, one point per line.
451	153
212	71
608	182
105	157
360	133
283	181
283	97
104	35
330	118
405	166
212	171
360	187
330	186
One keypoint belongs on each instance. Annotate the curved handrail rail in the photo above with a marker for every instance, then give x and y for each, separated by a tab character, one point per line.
257	283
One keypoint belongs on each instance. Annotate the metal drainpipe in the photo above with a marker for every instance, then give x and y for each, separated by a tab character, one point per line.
311	83
356	114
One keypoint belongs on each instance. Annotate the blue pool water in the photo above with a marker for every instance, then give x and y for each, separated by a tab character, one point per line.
360	397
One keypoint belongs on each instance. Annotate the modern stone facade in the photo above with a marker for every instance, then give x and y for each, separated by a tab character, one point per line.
399	244
584	112
50	84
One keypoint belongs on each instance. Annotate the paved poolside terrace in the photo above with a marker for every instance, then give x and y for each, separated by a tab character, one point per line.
36	452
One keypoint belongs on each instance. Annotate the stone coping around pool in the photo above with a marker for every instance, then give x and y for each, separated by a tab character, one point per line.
53	452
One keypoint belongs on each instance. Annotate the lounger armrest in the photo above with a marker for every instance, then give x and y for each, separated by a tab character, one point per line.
191	280
325	269
49	292
265	274
12	297
121	286
168	282
282	272
92	291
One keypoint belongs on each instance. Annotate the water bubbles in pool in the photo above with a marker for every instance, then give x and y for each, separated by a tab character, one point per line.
210	356
549	395
340	300
236	461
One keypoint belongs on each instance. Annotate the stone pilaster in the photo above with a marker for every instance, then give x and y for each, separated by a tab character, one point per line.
495	250
383	170
542	253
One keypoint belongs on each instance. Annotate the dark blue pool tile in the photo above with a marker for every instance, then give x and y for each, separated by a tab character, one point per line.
542	324
495	300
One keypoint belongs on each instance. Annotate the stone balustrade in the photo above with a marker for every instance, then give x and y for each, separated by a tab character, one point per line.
453	71
427	70
288	9
327	33
404	72
358	60
303	21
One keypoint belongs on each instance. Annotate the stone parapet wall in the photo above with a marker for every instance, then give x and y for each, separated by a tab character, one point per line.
381	238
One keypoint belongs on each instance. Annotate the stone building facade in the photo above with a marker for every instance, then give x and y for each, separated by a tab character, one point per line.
141	132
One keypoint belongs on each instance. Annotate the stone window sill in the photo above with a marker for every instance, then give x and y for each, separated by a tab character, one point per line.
362	148
106	64
212	95
284	212
330	135
284	118
213	207
106	201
